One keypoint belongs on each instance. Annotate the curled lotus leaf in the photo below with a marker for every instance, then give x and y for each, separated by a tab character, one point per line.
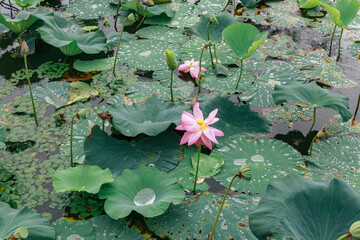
145	190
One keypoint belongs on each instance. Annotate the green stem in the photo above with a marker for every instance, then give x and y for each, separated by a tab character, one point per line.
71	141
222	204
208	36
356	111
103	125
171	85
332	38
142	20
29	83
343	237
117	14
241	70
197	168
217	62
118	46
227	4
339	50
313	122
201	54
311	145
234	7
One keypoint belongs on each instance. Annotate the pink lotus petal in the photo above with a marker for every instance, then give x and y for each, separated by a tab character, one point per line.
198	142
197	112
185	138
194	72
217	132
206	141
194	136
211	117
210	134
203	69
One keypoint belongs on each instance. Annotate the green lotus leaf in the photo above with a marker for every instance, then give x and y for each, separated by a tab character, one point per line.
163	151
156	10
94	65
280	46
235	120
70	43
343	163
145	190
243	39
54	93
26	3
313	95
354	49
151	117
274	73
210	6
146	54
269	160
342	12
299	208
309	3
113	39
161	33
80	90
106	228
209	165
74	230
37	226
200	28
184	16
2	138
337	127
289	114
255	15
81	178
92	9
194	218
318	66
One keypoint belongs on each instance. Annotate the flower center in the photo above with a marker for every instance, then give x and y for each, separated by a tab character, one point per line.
191	64
202	124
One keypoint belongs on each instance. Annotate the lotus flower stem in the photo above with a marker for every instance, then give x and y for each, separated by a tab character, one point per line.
217	62
339	49
208	36
29	83
241	70
311	145
227	4
197	168
142	20
200	76
71	141
171	85
313	122
356	110
221	206
118	46
343	237
332	38
117	14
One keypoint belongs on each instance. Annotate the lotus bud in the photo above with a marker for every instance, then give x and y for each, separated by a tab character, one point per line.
82	113
131	18
21	233
24	47
321	134
209	43
107	22
355	230
245	172
213	19
104	116
171	59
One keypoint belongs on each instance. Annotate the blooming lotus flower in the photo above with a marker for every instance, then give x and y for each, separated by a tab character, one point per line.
192	67
197	129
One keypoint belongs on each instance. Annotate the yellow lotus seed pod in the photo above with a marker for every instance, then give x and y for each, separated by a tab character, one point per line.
355	230
245	172
21	233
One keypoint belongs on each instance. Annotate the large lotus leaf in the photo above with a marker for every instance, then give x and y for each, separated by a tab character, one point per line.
192	49
354	24
309	3
161	33
94	65
81	178
92	9
70	43
2	138
152	11
200	28
163	151
79	91
194	218
299	208
342	12
274	73
210	6
235	120
284	19
151	117
74	230
255	62
255	15
313	95
318	66
54	93
106	228
227	84
11	219
269	160
243	39
146	54
139	190
354	49
289	114
337	127
209	165
336	157
280	46
113	38
184	16
26	3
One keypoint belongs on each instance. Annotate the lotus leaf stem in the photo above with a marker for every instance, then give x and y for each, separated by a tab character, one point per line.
200	77
332	38
313	122
71	141
117	14
118	46
216	58
311	145
227	4
234	8
241	70
142	20
103	125
208	36
343	237
197	168
221	206
339	50
356	110
171	85
29	83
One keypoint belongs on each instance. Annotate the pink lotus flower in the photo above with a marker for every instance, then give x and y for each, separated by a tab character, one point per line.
24	47
197	129
192	67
